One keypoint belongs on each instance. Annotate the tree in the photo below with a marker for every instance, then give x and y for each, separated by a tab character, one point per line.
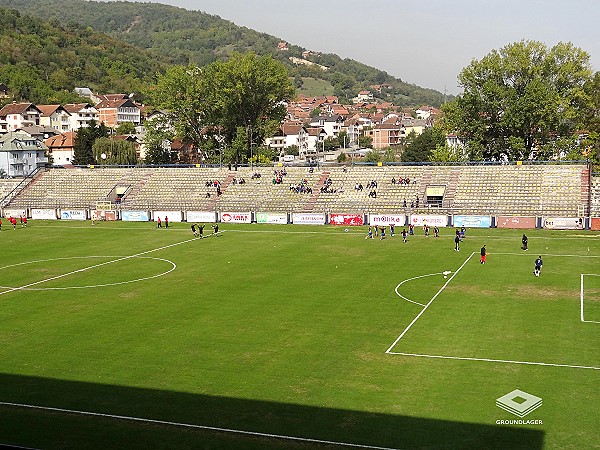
111	151
420	146
157	142
248	91
520	98
445	153
245	91
125	128
84	142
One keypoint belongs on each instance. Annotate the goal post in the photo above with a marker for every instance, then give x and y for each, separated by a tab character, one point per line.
590	298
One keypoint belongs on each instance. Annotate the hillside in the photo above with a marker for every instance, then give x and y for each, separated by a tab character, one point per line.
43	61
197	37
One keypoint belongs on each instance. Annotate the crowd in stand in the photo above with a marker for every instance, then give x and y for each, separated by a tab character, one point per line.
327	188
278	176
403	180
301	188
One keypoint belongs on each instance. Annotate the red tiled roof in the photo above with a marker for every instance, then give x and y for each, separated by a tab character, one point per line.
64	140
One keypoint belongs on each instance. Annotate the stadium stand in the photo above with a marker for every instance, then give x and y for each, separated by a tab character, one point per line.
561	190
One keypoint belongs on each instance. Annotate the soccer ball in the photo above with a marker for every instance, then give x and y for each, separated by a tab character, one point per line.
346	230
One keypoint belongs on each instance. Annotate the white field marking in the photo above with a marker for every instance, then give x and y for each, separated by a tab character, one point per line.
429	303
96	265
173	267
581	296
508	361
414	278
189	425
545	254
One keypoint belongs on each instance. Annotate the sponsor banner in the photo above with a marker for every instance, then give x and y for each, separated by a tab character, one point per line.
108	215
73	214
308	219
472	221
43	214
174	216
418	220
201	216
346	219
135	216
14	212
236	217
263	217
563	223
515	222
387	219
595	224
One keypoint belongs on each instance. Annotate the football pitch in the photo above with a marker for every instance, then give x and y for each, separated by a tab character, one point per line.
121	335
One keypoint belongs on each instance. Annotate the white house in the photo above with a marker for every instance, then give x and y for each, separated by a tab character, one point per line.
21	154
81	114
19	115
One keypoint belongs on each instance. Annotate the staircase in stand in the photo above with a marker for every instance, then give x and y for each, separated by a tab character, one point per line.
450	191
312	200
215	198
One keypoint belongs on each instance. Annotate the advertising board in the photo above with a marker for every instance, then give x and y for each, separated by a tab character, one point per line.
346	219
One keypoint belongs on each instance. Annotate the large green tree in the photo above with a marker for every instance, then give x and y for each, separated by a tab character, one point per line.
520	98
246	92
84	142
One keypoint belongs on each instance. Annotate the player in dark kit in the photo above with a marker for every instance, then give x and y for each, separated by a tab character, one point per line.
538	266
215	228
194	232
524	241
457	243
200	230
483	254
404	235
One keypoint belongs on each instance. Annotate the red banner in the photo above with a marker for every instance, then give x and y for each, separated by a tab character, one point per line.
595	225
515	222
346	219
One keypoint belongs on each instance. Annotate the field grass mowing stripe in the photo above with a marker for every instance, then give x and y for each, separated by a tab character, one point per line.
429	303
193	426
506	361
84	269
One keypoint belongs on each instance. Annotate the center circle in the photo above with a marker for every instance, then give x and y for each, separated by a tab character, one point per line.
31	287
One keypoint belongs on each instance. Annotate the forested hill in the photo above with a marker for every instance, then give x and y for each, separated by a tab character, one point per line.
196	37
43	61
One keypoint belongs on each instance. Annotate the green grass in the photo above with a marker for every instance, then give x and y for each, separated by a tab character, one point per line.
284	330
315	87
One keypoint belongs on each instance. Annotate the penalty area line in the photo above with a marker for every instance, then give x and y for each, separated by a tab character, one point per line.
193	426
506	361
429	303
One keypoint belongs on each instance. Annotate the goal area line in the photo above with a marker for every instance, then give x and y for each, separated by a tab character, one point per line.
582	296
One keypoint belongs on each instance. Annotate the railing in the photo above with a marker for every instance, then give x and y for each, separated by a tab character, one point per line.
26	180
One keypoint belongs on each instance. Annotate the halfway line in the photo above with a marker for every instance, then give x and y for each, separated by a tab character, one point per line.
429	303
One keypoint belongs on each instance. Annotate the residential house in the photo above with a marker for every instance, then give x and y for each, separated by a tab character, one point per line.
55	116
414	125
288	135
115	109
61	148
39	132
4	91
18	115
386	135
363	96
81	114
21	154
331	124
315	140
87	93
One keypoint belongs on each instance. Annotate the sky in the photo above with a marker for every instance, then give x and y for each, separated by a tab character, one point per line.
426	43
